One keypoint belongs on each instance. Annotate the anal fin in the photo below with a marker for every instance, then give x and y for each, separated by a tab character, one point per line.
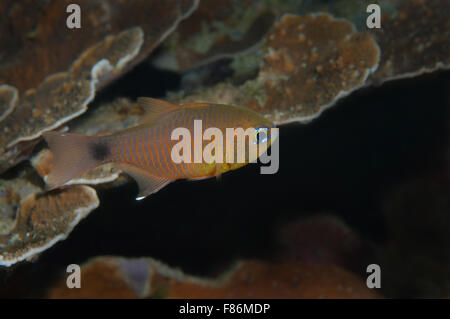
148	184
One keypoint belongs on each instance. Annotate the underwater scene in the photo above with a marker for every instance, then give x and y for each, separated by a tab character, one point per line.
225	149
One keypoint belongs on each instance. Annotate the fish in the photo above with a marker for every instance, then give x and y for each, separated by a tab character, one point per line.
145	151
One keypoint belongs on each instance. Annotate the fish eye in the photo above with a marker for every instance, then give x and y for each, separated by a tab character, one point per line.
262	135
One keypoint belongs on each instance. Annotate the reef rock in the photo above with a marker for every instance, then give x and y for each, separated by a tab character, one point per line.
42	220
116	277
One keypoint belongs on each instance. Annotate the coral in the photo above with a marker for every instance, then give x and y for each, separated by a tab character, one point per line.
216	30
253	279
353	11
42	45
111	41
250	279
413	37
12	192
57	100
62	96
8	100
44	219
109	118
106	119
310	62
109	277
414	41
118	277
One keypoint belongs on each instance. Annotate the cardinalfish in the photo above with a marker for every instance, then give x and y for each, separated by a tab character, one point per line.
146	152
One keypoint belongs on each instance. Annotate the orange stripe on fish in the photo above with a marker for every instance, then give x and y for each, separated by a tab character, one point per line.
163	153
138	151
159	166
144	150
149	150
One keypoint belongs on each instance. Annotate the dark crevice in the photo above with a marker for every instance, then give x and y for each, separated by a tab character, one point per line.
143	80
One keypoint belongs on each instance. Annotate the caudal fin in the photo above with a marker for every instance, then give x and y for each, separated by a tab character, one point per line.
74	155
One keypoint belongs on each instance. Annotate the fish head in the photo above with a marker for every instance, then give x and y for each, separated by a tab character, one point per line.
259	134
262	133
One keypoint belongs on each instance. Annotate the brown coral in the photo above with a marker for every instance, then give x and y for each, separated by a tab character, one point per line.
107	119
131	278
102	278
414	41
42	220
8	100
311	61
254	279
41	44
117	277
114	37
413	37
12	192
216	30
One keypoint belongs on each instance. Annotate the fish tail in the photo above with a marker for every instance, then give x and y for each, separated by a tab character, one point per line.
74	154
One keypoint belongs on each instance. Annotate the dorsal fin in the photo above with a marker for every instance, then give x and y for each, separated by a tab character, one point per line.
155	108
196	104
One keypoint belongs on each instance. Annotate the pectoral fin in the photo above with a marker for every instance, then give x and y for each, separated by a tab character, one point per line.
148	184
